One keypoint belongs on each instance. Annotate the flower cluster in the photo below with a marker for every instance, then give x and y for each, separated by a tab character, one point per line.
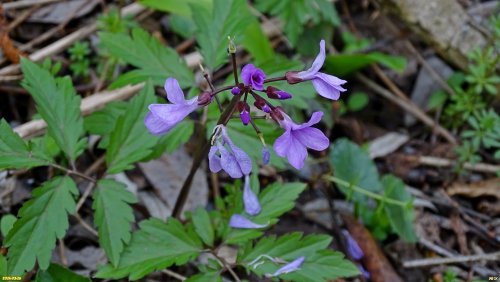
224	154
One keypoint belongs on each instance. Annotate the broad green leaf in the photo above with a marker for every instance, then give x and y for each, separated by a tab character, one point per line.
401	218
257	43
153	60
42	220
344	64
203	226
227	18
352	164
113	216
182	25
275	200
157	245
206	277
130	141
3	266
6	224
15	153
357	101
174	6
58	273
319	265
58	104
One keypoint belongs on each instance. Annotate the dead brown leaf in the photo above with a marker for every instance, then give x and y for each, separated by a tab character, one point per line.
374	260
490	187
9	50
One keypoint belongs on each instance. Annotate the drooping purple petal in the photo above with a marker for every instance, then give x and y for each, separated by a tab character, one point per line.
328	86
290	267
297	154
316	65
214	160
229	163
244	161
282	144
312	138
352	246
239	221
250	200
174	91
163	117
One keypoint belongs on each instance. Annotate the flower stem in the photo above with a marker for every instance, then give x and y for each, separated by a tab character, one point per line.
275	79
235	70
199	156
365	192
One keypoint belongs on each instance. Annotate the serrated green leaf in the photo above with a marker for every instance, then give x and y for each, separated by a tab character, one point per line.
344	64
354	165
15	153
400	218
227	18
155	246
42	220
113	216
275	200
58	104
257	43
319	265
103	122
6	224
203	226
206	277
58	273
153	60
174	6
130	141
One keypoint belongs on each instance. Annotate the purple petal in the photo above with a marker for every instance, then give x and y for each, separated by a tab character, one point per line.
290	267
266	155
174	91
352	246
239	221
282	144
312	138
258	78
365	272
328	86
229	163
297	153
315	118
250	200
246	73
282	95
316	65
244	161
156	125
164	117
214	160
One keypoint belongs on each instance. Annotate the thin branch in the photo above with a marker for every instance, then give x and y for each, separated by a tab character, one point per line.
459	259
74	172
174	275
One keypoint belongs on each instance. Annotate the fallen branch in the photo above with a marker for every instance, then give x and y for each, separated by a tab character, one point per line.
458	259
440	162
26	3
408	106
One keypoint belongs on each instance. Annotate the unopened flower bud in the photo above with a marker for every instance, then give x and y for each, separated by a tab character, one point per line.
244	110
205	98
266	155
231	48
275	93
262	105
235	90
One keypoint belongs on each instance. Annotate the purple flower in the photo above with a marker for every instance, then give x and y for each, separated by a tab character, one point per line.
224	155
239	221
266	155
297	138
163	117
328	86
275	93
352	246
250	200
253	77
290	267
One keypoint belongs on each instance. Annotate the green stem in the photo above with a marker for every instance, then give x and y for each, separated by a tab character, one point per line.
365	192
